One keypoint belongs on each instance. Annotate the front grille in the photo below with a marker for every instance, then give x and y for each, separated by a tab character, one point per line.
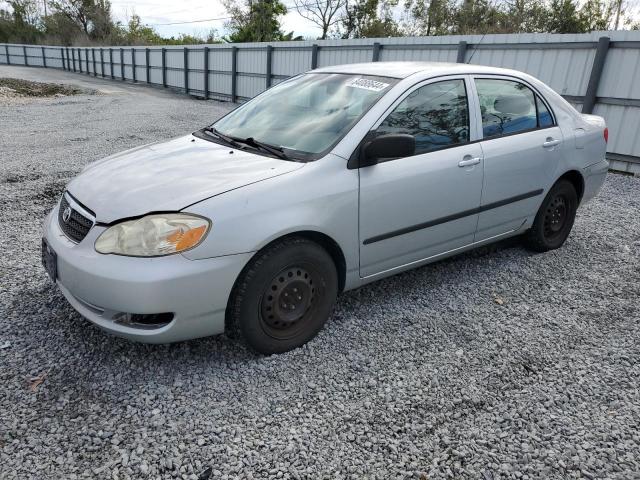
76	225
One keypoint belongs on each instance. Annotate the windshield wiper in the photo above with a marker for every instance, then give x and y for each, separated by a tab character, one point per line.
237	143
231	141
273	150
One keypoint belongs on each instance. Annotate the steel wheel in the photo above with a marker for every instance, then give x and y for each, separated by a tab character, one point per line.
287	302
284	295
555	217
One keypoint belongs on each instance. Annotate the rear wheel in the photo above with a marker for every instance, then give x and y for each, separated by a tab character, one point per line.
554	219
284	296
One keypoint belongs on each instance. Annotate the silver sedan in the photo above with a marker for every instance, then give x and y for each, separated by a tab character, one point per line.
330	180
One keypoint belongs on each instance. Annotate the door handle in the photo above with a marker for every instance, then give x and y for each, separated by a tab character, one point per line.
551	142
470	161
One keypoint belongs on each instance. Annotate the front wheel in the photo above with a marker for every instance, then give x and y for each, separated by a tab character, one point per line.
554	219
284	296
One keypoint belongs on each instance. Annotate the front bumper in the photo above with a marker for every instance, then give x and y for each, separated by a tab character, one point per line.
100	287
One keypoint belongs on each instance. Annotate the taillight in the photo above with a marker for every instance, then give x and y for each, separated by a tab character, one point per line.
606	135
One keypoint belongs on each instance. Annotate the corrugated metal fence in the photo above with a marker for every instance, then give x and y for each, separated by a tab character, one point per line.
598	72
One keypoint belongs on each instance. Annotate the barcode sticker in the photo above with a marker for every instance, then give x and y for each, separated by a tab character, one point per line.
367	84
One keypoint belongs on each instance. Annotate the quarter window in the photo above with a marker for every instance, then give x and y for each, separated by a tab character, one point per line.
436	115
507	107
544	116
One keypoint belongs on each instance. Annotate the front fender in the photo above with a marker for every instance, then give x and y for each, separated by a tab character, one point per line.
321	197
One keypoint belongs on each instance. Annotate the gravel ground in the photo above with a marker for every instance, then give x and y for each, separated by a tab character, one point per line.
495	364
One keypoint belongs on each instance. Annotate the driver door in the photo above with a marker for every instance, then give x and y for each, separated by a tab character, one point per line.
414	208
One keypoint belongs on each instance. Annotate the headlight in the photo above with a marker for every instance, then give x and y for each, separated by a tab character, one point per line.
154	235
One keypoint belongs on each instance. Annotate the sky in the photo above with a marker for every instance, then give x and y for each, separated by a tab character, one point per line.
156	13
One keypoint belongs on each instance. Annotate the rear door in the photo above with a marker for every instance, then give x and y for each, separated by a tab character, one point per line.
521	146
417	207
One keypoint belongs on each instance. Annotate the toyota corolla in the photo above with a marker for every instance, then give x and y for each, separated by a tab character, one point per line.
327	181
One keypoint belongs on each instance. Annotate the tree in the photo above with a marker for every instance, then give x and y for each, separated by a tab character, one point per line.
323	13
597	15
60	29
255	20
361	19
523	16
478	16
563	17
93	16
434	17
21	25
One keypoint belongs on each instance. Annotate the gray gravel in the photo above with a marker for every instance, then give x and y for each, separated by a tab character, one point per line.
495	364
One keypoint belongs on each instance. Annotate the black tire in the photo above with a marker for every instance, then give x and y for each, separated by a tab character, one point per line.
554	219
284	296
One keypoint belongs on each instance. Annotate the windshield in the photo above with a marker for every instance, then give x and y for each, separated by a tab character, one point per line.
306	115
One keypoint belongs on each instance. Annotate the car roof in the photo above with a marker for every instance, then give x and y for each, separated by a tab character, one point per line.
405	69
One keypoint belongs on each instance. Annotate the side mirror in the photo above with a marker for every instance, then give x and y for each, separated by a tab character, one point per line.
394	145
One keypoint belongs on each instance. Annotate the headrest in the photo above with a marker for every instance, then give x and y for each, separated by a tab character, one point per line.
514	104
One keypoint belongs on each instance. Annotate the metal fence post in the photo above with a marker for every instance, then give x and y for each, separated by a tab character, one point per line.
101	62
24	53
206	73
185	67
44	59
268	69
133	64
62	58
93	58
79	60
462	51
234	73
73	59
122	64
146	63
314	56
86	61
376	52
596	74
111	63
6	51
164	67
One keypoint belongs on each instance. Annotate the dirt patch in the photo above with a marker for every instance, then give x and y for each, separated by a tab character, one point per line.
20	177
16	88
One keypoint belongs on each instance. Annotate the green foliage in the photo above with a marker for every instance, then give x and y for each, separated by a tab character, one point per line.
369	19
464	17
21	24
90	22
81	22
564	17
256	21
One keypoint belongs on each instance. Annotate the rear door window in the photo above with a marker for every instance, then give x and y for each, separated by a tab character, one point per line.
507	107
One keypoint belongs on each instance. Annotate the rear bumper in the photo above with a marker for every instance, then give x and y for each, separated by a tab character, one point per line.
594	176
100	287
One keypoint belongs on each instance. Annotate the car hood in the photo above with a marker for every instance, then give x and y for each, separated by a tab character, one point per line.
169	177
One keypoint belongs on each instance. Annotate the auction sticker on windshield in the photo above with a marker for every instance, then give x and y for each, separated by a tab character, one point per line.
367	84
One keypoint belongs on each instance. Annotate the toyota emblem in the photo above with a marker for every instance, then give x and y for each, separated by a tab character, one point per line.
66	215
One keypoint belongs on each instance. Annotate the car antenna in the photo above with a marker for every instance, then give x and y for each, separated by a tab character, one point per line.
475	49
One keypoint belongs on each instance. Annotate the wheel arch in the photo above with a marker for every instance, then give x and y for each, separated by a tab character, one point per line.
577	180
